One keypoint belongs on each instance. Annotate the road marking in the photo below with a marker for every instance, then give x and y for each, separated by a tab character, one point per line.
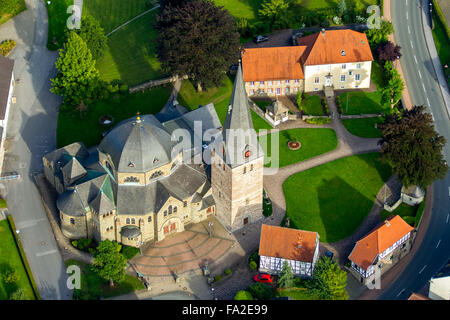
409	30
421	270
28	223
448	215
401	292
45	253
420	75
411	45
424	88
415	59
449	191
439	242
428	102
406	2
406	15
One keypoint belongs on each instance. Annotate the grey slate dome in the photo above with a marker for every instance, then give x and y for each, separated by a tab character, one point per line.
69	203
138	144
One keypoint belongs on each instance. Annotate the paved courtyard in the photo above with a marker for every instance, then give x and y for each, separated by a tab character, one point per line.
184	252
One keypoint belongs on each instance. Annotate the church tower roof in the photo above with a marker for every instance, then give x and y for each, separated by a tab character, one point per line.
239	136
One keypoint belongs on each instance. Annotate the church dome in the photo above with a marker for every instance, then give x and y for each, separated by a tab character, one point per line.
138	144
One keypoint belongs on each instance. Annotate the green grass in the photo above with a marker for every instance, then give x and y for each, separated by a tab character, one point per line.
411	214
57	22
113	13
322	4
131	53
334	199
364	127
10	259
3	203
220	96
363	102
442	43
311	105
298	294
241	8
93	286
314	142
262	104
18	8
72	127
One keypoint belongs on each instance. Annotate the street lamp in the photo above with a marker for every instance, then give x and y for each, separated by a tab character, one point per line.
140	243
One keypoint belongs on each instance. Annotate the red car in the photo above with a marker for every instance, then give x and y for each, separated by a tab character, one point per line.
261	277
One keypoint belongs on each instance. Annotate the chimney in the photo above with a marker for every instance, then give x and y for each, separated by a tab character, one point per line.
387	223
323	31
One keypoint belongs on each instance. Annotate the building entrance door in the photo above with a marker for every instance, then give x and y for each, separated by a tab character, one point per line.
328	81
245	221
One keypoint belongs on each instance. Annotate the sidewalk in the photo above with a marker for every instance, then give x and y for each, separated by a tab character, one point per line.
406	98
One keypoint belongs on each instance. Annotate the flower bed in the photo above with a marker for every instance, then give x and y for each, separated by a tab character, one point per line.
294	145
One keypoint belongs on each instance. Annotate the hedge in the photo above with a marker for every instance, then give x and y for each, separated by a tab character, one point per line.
23	257
318	120
441	17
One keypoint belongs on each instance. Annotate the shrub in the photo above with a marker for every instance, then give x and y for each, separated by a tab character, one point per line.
218	277
82	244
10	276
318	120
410	220
228	272
129	252
325	23
253	265
261	291
6	46
123	88
19	294
254	257
243	295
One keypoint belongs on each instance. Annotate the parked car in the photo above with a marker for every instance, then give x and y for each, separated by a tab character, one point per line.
262	277
260	39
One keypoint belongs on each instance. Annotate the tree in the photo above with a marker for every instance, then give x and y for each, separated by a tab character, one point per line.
275	12
299	99
387	51
109	263
392	91
173	3
286	278
329	280
412	147
376	36
77	79
342	7
19	294
10	276
93	35
243	295
197	39
261	291
9	6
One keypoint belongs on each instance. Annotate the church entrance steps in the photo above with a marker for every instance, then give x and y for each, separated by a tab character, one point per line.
184	252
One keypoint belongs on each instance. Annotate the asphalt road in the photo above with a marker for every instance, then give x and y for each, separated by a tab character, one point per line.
424	89
31	132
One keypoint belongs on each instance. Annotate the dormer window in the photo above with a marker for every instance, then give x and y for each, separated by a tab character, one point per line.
155	161
131	164
343	53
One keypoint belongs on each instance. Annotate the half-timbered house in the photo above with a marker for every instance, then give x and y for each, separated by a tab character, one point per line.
298	247
381	249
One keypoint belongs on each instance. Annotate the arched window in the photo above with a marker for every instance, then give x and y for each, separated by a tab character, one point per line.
165	213
149	218
128	221
170	209
156	174
175	209
72	220
133	221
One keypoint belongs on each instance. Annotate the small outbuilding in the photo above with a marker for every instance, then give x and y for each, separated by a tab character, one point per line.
277	112
412	195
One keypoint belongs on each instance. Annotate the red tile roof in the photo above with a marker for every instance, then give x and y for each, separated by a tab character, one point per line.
417	296
380	239
327	48
286	243
268	64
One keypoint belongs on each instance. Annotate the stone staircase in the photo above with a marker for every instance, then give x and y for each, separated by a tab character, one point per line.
328	91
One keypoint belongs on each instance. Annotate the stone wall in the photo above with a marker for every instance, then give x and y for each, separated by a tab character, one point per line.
154	83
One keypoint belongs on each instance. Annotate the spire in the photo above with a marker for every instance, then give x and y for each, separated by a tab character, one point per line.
239	136
238	115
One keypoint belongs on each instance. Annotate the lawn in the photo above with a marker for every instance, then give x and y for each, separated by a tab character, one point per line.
315	141
72	127
363	102
93	286
220	96
364	127
311	105
334	199
18	8
442	44
57	22
131	53
298	294
241	8
113	13
10	259
322	4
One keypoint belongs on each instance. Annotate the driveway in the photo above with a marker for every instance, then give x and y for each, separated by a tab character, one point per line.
31	132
